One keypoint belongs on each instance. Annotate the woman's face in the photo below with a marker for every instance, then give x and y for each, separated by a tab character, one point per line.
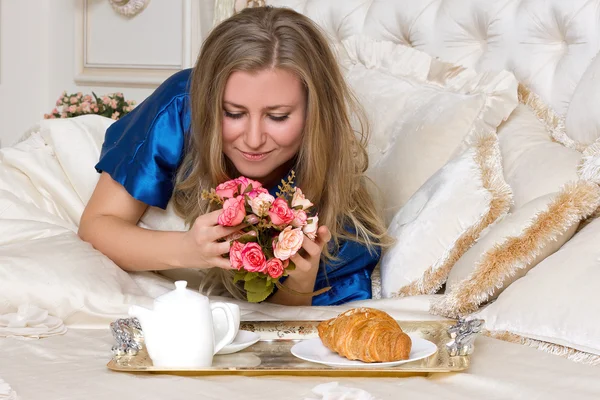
263	121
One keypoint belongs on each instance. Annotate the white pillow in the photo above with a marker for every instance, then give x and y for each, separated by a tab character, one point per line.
53	169
529	153
442	220
420	110
557	302
515	245
67	277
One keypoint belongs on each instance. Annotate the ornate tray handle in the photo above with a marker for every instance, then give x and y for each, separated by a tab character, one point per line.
128	335
463	336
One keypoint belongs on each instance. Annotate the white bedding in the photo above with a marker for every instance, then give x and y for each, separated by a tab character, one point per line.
45	182
73	366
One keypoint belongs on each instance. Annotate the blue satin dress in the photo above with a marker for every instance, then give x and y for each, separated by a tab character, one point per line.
143	150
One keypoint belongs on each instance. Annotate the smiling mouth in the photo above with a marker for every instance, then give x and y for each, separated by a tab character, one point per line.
255	156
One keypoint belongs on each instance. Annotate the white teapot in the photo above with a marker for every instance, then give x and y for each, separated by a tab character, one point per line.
178	332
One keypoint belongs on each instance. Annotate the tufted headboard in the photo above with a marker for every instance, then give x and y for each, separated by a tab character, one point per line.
547	44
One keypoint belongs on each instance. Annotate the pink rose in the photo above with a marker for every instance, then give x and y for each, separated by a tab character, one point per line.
261	204
290	241
310	229
275	267
245	182
280	213
253	258
233	212
227	189
299	218
298	199
255	192
235	255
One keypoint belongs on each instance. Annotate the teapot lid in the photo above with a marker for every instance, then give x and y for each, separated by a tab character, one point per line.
180	297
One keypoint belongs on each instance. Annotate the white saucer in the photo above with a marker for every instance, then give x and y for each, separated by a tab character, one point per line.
242	340
315	351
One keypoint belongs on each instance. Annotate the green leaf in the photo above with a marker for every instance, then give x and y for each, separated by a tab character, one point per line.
291	266
248	189
264	290
239	276
250	276
257	284
257	297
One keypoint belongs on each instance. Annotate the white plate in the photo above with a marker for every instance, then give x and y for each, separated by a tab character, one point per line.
315	351
242	340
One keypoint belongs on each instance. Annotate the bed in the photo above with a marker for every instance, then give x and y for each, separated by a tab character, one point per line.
511	85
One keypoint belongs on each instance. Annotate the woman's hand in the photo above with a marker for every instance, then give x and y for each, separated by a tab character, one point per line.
307	260
201	248
303	278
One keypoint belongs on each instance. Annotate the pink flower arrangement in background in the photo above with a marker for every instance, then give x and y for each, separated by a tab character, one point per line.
112	105
261	252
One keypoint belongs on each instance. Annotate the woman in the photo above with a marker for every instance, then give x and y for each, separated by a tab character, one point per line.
265	97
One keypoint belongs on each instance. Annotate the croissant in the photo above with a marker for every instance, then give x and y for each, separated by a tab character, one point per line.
365	334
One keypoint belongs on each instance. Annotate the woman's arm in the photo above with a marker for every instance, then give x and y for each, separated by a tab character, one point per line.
109	223
303	283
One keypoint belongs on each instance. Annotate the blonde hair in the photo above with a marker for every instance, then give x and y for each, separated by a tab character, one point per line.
332	160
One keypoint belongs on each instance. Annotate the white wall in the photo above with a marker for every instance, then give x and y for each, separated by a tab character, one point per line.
38	52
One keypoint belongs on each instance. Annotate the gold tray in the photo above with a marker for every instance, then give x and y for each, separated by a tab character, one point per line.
271	355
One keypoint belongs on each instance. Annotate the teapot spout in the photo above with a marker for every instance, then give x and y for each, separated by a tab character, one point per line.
144	315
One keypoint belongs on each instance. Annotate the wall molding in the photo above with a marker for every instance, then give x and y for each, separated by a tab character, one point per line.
134	75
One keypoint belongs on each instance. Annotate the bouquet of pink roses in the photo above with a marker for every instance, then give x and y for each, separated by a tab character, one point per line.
276	228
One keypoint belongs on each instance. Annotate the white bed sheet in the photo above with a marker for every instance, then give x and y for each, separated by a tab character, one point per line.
73	366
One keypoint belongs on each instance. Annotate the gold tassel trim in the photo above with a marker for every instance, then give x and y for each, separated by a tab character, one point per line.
555	349
555	124
573	203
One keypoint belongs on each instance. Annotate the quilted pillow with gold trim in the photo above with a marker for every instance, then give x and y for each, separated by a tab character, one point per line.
550	201
444	218
555	306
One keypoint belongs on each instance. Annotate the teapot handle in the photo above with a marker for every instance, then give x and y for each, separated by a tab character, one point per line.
231	331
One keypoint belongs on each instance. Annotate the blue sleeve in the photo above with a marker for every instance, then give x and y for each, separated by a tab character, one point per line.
349	276
143	150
